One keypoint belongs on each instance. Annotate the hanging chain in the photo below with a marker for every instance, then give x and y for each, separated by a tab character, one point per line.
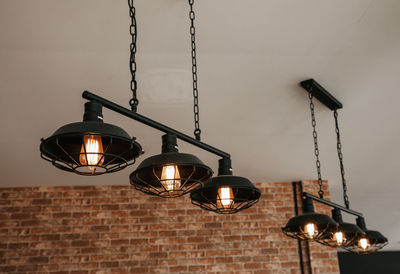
316	150
197	130
134	102
340	155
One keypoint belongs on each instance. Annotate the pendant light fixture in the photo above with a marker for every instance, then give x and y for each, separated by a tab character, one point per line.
354	238
173	174
170	174
90	147
346	234
371	242
93	147
311	225
225	194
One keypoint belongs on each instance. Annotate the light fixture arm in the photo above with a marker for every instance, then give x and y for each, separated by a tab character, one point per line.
331	204
151	123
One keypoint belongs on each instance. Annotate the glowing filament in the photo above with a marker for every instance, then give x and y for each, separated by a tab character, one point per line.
225	197
170	178
91	154
363	243
338	237
310	231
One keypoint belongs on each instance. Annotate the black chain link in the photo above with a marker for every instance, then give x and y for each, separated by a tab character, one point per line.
134	102
197	130
316	149
340	155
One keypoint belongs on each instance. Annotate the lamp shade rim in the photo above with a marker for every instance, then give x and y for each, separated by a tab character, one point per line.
315	218
92	127
235	182
230	180
171	158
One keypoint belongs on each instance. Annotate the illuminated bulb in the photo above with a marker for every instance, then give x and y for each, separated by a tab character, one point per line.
338	237
170	178
310	230
363	243
225	197
91	154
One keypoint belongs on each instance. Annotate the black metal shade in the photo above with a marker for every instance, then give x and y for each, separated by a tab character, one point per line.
148	176
65	149
374	240
346	234
310	225
371	242
244	194
188	172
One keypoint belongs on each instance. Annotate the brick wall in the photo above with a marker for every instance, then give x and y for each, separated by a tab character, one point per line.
115	229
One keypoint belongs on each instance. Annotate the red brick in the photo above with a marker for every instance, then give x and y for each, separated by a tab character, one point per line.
85	228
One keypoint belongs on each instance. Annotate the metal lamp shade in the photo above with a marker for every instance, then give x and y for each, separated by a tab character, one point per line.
345	235
65	150
349	233
296	228
188	172
375	240
243	194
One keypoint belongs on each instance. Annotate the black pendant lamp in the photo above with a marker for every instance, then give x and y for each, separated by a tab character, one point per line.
346	234
310	225
91	147
170	174
368	243
225	193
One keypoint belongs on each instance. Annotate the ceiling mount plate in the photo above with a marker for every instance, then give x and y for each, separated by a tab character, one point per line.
321	94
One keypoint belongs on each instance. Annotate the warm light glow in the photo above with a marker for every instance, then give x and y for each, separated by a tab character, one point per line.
310	231
363	243
338	237
225	197
91	152
170	178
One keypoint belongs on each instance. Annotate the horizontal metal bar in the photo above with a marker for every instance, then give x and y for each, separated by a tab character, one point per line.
331	204
147	121
321	94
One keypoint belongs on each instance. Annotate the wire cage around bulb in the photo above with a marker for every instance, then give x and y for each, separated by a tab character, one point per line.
226	194
90	148
346	234
310	225
170	174
371	242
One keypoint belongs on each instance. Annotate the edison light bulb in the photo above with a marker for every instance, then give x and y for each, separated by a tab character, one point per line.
170	178
225	197
338	237
310	230
91	154
363	243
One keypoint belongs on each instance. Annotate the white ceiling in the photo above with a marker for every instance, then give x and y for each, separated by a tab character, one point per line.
252	54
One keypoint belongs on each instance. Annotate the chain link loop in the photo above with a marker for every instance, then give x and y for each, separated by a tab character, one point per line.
192	16
340	155
134	102
316	149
